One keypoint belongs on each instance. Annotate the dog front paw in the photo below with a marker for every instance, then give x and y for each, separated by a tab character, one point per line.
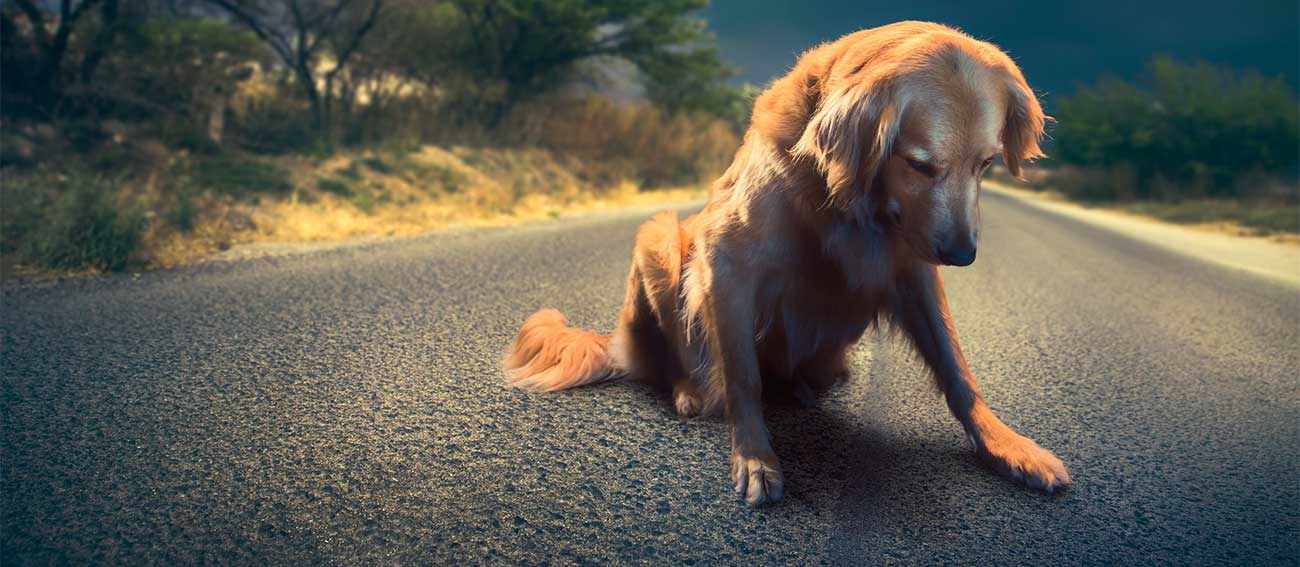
1020	458
757	479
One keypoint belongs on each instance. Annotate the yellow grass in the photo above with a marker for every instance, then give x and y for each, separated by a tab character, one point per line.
488	187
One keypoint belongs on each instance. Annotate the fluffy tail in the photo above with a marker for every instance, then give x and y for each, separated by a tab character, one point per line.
548	355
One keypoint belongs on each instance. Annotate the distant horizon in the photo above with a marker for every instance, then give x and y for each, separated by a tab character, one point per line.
1085	43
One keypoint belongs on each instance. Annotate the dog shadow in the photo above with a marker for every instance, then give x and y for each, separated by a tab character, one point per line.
864	474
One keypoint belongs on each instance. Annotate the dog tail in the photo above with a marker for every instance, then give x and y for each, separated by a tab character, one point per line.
548	355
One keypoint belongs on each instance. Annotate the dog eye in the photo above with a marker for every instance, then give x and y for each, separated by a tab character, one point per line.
987	163
922	167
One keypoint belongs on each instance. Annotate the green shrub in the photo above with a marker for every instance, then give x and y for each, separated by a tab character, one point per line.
401	146
350	172
378	165
472	158
277	128
321	149
186	136
1096	184
114	159
449	179
336	186
86	229
20	214
305	197
181	214
637	142
82	133
364	199
1190	131
164	65
239	177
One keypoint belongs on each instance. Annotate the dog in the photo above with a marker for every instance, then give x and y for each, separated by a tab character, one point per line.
858	177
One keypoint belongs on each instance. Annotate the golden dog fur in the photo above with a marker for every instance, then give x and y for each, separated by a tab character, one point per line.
859	174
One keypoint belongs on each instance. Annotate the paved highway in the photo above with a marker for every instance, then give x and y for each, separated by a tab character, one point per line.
345	407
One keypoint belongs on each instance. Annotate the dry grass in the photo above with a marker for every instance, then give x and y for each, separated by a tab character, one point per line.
1277	221
415	192
550	157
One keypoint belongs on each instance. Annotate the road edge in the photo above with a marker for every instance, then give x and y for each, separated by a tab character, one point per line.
1260	256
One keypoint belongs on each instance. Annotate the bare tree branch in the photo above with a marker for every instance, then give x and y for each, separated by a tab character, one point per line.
277	42
341	58
298	32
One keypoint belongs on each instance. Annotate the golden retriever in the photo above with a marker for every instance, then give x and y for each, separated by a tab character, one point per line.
859	175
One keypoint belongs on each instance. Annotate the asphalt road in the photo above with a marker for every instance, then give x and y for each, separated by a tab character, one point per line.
345	407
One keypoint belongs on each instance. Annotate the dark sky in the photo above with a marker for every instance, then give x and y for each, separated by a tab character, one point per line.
1057	44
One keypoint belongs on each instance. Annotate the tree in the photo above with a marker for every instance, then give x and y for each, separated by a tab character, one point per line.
1189	130
302	33
35	56
694	81
418	41
517	49
188	67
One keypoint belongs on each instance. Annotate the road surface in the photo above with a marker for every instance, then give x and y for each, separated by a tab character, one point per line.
345	407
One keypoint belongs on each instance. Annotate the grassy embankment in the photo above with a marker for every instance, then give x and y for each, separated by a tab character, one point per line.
1275	217
1188	143
139	203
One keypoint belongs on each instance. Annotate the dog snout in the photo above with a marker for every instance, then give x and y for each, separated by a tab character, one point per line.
961	253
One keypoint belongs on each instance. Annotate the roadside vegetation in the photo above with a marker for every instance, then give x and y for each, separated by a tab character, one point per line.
1192	144
138	133
146	133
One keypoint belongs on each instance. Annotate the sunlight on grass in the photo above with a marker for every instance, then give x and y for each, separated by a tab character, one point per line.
1257	218
426	189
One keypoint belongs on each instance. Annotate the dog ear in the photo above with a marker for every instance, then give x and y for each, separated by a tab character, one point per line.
1024	126
849	136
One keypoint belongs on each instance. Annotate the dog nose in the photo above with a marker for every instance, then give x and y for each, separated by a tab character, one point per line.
957	255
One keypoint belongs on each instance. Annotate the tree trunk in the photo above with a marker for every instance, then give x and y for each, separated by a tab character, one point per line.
327	123
99	45
309	88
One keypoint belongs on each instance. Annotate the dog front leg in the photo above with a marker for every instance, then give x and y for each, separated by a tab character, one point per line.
729	322
921	309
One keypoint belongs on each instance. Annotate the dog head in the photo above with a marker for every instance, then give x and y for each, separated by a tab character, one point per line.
905	121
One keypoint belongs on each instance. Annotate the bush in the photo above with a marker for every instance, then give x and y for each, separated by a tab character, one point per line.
364	199
450	180
335	186
276	127
378	165
82	133
1095	184
238	176
20	216
350	172
304	197
607	142
86	229
181	214
401	146
321	150
1193	131
186	136
636	142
